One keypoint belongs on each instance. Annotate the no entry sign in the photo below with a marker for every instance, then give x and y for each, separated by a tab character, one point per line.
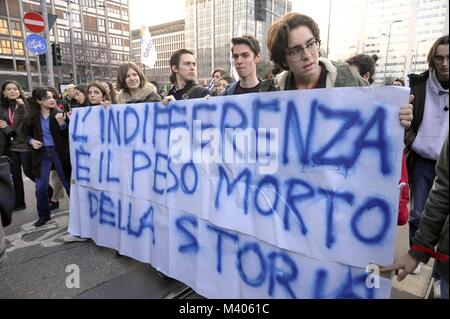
34	22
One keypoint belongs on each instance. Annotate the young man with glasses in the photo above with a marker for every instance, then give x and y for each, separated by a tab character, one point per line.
426	135
294	43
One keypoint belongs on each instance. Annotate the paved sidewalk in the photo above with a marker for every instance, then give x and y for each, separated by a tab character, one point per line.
414	286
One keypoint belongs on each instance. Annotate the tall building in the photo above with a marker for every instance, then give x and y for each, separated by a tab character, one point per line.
167	38
210	25
400	32
101	39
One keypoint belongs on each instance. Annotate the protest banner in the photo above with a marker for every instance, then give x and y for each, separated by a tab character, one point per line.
271	195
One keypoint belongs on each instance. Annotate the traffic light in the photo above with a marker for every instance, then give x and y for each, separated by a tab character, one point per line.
57	57
260	10
43	60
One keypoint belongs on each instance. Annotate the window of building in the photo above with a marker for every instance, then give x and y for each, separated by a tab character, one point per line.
16	31
76	17
4	26
113	9
116	41
5	47
18	48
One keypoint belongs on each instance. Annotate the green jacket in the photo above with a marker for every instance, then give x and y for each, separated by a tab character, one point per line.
339	74
433	228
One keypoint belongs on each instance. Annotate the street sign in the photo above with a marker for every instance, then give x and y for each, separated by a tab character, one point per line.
36	44
51	20
34	22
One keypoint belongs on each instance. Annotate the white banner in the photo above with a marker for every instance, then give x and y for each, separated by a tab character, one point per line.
148	49
271	195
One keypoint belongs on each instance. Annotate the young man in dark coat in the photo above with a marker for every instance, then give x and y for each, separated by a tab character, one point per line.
183	66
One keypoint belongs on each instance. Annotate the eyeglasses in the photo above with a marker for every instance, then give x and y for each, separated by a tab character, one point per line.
297	52
440	59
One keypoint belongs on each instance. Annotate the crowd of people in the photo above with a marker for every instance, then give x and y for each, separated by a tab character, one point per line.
34	130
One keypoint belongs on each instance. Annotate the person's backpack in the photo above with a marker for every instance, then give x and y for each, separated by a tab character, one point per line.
6	191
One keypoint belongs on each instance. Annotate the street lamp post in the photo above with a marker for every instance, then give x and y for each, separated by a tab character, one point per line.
387	51
72	43
415	55
328	33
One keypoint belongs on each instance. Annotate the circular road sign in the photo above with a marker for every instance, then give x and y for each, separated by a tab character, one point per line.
34	22
36	44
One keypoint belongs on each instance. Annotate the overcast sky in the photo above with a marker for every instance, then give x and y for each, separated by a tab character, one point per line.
156	12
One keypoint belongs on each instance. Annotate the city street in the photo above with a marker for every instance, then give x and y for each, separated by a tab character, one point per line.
38	258
252	149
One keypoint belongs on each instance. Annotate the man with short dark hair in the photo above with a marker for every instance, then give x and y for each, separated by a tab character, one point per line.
246	54
183	66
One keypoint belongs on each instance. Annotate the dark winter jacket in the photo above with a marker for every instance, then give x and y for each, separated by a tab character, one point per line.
192	90
6	135
418	84
433	228
20	111
33	130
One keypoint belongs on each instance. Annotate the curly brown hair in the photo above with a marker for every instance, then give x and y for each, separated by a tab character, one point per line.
278	34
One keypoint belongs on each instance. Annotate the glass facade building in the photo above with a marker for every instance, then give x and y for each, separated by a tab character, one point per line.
422	22
210	25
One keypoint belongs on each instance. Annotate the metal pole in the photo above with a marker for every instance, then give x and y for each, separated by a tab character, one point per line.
84	46
415	55
196	29
72	43
11	38
27	58
39	69
49	55
213	35
108	41
273	10
328	33
387	51
273	14
246	16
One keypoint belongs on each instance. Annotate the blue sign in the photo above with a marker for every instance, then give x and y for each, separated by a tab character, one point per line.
36	44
